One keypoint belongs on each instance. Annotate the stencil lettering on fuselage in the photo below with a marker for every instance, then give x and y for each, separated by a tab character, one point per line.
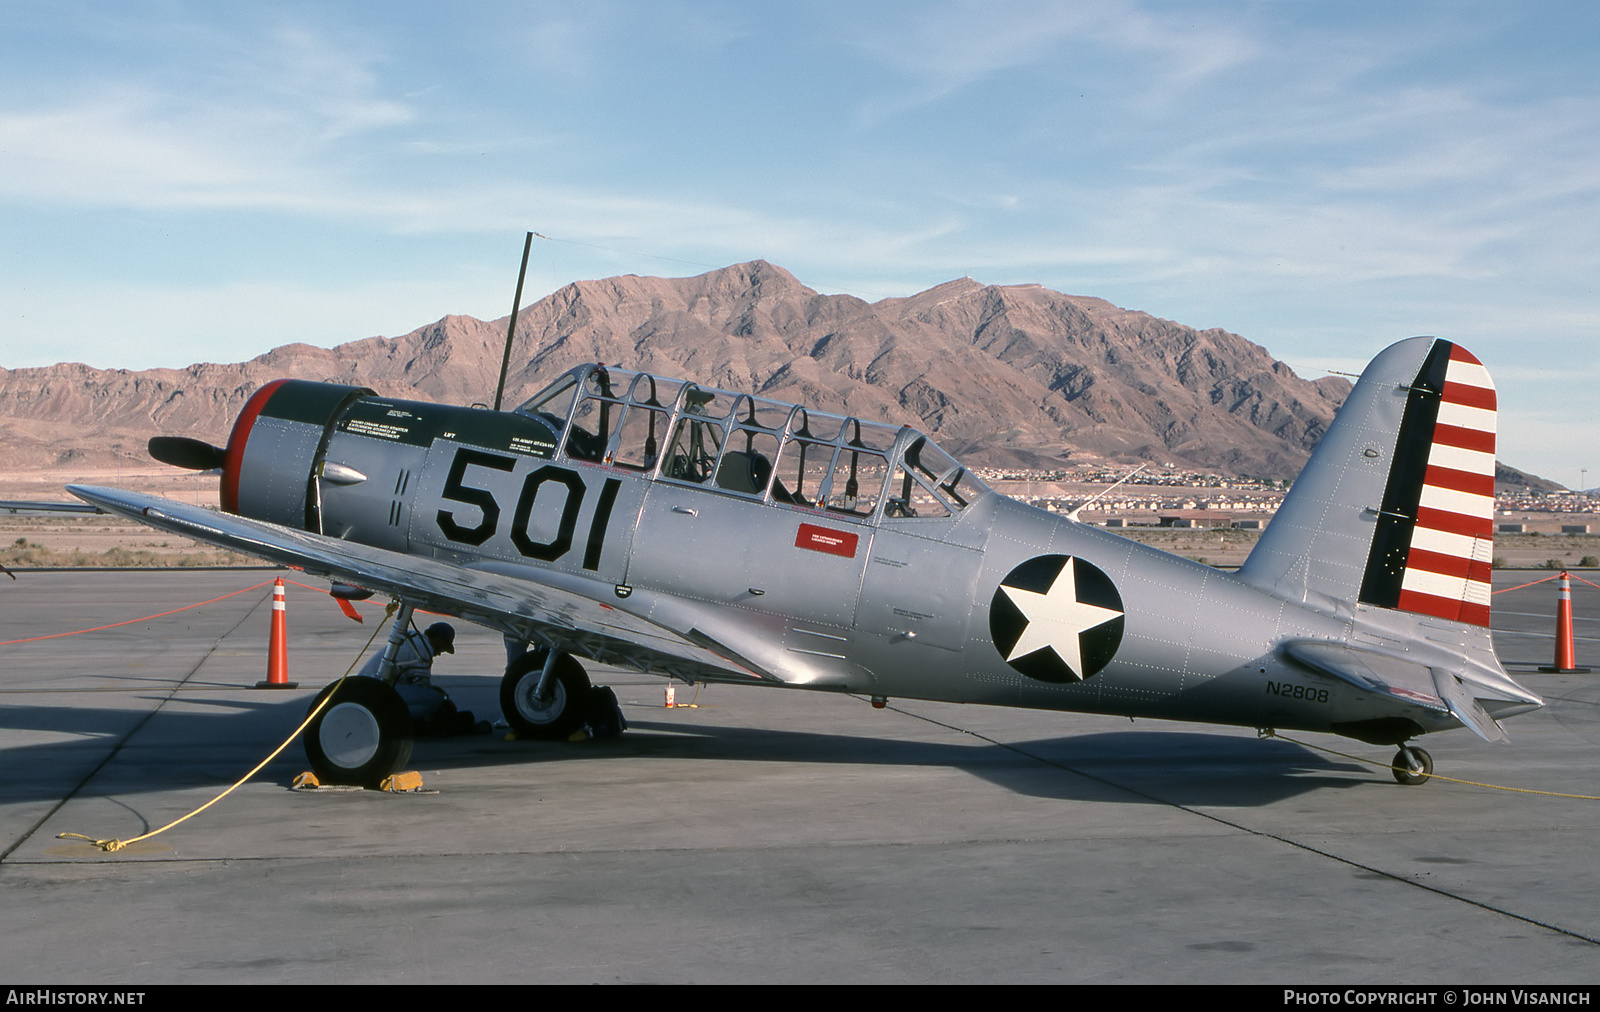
1056	618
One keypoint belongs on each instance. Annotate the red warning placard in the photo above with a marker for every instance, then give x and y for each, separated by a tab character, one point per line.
826	539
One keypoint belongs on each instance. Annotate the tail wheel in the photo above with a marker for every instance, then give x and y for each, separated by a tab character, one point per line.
1412	765
556	716
363	735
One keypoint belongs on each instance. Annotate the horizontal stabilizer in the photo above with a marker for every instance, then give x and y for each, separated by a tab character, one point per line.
1373	672
1433	688
1465	708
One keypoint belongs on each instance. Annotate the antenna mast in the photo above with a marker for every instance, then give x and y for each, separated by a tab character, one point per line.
511	330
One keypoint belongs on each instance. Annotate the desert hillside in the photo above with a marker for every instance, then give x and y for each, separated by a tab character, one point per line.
1012	374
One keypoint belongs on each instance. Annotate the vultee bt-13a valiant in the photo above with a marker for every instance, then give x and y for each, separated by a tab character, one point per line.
714	536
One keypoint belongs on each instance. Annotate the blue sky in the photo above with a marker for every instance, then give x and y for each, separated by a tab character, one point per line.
187	182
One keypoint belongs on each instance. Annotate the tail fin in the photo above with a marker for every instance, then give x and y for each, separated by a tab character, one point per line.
1396	507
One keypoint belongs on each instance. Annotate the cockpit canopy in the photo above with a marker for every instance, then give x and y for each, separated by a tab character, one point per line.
675	431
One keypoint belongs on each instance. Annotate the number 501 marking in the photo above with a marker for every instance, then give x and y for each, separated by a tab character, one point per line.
456	490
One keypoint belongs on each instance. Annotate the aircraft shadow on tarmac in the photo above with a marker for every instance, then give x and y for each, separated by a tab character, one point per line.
1162	767
182	748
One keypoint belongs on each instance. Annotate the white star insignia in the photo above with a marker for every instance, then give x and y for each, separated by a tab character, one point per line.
1056	618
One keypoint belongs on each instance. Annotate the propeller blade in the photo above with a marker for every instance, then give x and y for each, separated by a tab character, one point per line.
190	454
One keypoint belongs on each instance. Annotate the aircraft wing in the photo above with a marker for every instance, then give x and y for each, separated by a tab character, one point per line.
1433	688
565	610
22	507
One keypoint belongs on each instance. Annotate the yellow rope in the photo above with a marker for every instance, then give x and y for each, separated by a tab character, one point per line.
1433	776
691	704
112	846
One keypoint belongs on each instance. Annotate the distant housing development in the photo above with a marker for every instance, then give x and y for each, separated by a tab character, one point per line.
1168	497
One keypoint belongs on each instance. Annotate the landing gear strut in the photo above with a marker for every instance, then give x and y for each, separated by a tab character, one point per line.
1412	765
560	712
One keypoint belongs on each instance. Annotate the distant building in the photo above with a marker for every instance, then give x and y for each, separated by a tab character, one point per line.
1196	518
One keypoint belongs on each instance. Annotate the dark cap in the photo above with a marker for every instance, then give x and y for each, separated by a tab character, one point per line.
443	635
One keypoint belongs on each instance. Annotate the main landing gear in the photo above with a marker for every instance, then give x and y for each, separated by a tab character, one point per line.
362	736
1412	765
560	711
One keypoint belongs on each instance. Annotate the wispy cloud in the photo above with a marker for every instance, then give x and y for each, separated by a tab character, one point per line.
242	126
940	49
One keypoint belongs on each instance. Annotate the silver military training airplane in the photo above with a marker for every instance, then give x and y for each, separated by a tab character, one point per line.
715	536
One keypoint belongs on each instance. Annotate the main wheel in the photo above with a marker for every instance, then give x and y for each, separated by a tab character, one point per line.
554	717
1412	765
363	735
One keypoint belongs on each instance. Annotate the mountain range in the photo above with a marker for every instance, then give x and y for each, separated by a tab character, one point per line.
1003	375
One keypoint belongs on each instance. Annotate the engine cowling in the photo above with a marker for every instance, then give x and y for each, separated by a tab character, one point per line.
275	446
344	461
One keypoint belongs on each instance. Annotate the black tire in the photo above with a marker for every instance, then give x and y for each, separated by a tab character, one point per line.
1412	765
555	718
362	736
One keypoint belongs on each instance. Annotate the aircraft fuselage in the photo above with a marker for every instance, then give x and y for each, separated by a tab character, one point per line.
995	602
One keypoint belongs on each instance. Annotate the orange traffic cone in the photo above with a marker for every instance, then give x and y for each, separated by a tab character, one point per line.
1566	657
278	644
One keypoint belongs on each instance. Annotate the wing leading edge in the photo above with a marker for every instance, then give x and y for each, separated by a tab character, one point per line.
563	610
